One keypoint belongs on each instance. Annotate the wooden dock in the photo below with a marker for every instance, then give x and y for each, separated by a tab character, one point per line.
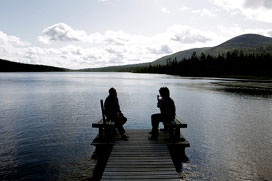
139	158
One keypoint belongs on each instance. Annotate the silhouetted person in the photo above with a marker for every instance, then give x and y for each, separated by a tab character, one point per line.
168	111
113	112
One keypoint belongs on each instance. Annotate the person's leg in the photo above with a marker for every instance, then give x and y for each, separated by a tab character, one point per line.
119	125
121	130
155	120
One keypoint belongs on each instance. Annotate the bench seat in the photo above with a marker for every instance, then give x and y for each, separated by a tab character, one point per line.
176	123
99	123
174	128
104	127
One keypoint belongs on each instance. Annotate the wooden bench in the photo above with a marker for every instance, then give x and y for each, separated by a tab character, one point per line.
174	128
104	125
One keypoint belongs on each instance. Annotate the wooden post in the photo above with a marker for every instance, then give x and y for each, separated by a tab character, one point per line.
103	117
102	109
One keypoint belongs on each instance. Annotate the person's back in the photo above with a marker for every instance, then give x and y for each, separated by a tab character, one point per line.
167	108
113	112
112	107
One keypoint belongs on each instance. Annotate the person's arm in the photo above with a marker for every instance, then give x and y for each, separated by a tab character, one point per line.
118	107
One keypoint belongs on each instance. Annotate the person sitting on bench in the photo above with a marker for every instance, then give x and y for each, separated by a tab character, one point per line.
113	112
167	108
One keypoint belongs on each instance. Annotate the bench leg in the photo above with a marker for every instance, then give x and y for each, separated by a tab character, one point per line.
171	132
107	133
100	133
177	134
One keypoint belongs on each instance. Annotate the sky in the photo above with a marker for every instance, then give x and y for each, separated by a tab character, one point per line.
80	34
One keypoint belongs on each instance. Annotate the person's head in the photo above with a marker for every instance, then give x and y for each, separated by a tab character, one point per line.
164	92
112	92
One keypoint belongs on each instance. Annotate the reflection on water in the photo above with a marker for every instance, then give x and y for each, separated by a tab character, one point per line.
45	123
259	89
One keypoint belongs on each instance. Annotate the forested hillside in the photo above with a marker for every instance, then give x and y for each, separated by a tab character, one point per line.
231	64
8	66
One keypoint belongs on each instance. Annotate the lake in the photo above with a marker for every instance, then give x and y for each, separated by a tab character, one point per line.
46	134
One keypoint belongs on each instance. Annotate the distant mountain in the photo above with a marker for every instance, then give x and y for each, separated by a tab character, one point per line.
180	55
248	43
121	68
8	66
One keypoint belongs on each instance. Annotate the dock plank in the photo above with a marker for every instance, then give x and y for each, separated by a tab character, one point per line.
139	158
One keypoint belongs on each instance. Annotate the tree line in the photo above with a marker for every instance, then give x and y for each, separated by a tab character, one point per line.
8	66
235	63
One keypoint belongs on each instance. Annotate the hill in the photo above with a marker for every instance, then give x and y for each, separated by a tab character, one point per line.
248	43
8	66
121	68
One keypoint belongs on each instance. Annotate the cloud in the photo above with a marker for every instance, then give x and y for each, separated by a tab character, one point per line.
165	11
184	8
255	4
207	12
64	33
187	34
81	50
203	12
61	32
116	37
270	33
236	30
259	10
164	49
10	47
11	40
108	2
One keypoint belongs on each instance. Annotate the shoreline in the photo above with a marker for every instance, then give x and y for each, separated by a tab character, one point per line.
241	78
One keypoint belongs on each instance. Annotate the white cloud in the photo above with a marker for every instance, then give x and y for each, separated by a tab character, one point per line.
116	37
236	30
81	50
207	12
61	32
112	47
108	2
11	40
270	33
180	33
201	12
163	49
260	10
184	8
165	11
231	31
187	34
255	4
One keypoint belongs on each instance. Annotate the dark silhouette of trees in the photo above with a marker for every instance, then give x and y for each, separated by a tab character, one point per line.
235	63
8	66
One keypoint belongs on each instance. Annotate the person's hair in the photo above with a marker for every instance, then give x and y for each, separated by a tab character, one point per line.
164	91
111	91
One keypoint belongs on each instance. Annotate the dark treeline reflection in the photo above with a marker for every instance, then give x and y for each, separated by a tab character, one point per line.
234	63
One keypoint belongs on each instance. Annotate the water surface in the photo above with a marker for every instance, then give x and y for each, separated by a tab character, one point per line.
46	134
